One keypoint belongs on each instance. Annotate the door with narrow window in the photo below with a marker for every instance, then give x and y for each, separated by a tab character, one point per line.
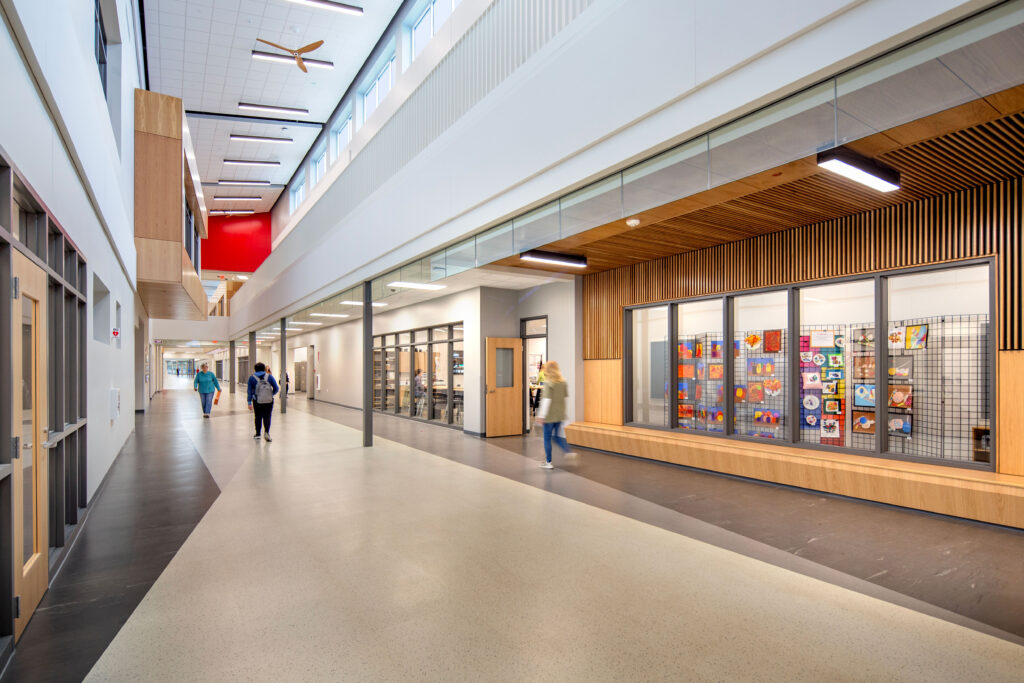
504	386
30	467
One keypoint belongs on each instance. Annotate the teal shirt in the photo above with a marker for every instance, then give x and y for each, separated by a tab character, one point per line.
206	382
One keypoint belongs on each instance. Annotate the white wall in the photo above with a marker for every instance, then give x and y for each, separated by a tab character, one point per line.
676	68
57	131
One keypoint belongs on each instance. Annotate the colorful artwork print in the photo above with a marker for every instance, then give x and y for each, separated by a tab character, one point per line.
836	360
686	371
819	359
716	420
755	393
772	387
901	367
863	337
832	406
812	380
698	350
834	373
683	391
840	341
716	371
900	425
864	395
701	370
901	396
753	341
760	367
830	388
811	419
716	349
917	337
896	337
741	393
686	411
823	339
829	428
863	422
766	417
811	402
807	357
686	350
772	341
864	367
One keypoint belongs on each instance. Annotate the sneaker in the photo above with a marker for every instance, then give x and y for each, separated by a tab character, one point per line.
571	454
205	415
266	437
256	435
547	466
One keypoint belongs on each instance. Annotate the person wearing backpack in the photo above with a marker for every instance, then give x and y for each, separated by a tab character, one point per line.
262	389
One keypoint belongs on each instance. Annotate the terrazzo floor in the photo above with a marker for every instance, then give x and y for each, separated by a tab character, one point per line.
322	560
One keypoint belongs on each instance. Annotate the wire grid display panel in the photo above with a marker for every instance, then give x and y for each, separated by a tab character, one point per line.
700	382
759	383
837	385
938	391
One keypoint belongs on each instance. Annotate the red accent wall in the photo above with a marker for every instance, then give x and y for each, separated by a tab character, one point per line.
237	243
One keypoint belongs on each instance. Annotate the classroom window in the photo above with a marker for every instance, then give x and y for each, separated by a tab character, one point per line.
297	193
379	89
342	136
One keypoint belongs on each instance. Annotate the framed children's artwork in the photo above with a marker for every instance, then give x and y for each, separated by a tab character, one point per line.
836	360
840	341
735	348
819	359
832	406
896	337
829	428
766	417
683	391
760	367
686	411
741	393
810	421
864	395
864	367
901	396
917	337
755	392
829	388
697	391
772	341
863	337
686	350
863	422
901	367
807	357
812	380
899	425
698	350
823	339
833	373
716	349
753	341
686	371
716	415
716	371
772	387
701	370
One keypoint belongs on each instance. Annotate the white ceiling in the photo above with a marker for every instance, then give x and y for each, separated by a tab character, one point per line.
201	51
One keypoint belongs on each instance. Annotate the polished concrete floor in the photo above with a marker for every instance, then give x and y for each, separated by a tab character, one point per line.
322	560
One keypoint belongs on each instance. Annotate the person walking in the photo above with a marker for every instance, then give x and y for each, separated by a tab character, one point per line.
551	412
206	383
262	389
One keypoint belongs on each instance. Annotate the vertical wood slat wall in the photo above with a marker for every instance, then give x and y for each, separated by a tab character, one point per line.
976	222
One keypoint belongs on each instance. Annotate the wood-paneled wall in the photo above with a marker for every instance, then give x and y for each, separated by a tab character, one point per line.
976	222
602	391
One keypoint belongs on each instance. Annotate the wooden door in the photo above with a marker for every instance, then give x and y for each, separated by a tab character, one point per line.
30	468
504	386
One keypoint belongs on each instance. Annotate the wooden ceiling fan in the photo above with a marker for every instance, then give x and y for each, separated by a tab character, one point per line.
296	53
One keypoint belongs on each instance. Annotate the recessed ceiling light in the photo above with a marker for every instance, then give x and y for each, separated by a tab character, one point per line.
415	285
288	59
330	4
551	258
359	303
330	315
259	138
860	169
632	222
238	199
245	183
247	162
232	212
296	322
242	277
294	111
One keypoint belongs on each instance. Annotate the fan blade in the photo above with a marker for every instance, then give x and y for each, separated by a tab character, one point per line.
279	47
302	64
310	47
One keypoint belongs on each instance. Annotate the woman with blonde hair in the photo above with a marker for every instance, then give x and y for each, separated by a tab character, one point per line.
552	410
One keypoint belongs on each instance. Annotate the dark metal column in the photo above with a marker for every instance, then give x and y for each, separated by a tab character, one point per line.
232	370
252	354
367	365
284	366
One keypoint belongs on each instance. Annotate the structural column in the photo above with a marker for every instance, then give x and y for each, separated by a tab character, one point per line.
232	370
252	353
284	366
367	365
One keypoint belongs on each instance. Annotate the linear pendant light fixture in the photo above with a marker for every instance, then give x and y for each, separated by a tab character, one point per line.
232	212
860	169
273	109
238	199
552	259
245	183
288	59
331	5
415	285
258	138
360	303
248	162
330	315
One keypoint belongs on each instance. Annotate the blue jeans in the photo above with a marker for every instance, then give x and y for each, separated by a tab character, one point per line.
551	432
207	400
